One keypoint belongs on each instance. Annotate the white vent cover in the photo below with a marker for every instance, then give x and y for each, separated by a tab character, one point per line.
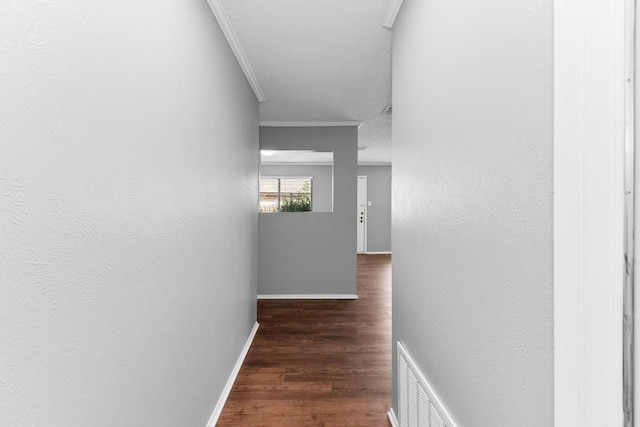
418	405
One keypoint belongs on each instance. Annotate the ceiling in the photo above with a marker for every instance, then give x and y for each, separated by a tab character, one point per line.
320	60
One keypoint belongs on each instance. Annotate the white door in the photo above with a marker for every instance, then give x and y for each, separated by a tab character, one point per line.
362	214
588	207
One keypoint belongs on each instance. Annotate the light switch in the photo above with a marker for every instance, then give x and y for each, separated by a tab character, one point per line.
369	203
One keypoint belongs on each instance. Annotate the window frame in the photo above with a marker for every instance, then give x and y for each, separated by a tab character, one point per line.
279	178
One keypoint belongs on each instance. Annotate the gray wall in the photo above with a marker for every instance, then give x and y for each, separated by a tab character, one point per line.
312	253
472	205
379	213
322	181
128	223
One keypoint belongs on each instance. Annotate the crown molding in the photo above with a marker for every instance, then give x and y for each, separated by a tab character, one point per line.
392	14
227	30
269	123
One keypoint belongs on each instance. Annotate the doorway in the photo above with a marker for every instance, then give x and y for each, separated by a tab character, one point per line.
361	234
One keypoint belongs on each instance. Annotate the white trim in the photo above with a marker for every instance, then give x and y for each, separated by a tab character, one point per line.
377	253
629	373
392	418
307	296
270	123
588	212
295	164
392	14
232	39
232	378
285	176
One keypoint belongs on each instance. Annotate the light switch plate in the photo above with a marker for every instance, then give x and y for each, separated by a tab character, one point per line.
369	203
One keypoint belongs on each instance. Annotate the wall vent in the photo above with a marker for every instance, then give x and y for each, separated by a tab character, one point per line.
418	405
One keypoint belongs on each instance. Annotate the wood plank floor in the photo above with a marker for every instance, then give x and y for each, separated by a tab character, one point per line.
320	362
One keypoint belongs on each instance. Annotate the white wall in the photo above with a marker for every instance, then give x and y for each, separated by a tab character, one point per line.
379	213
128	223
472	205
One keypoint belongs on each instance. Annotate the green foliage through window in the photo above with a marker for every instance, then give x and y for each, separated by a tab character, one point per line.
300	202
286	194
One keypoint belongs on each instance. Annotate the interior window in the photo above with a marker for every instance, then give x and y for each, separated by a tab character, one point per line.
296	181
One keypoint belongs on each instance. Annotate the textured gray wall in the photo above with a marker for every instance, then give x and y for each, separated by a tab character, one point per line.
128	223
472	205
322	181
379	213
312	253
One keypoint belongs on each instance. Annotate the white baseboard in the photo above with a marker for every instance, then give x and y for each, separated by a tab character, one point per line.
307	296
378	253
392	418
232	378
268	123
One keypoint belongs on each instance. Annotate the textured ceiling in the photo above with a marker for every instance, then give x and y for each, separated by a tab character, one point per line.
321	60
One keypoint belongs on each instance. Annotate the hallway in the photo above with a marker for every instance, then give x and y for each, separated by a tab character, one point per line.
320	362
136	267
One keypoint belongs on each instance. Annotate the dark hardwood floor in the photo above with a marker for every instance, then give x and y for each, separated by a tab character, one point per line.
320	362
